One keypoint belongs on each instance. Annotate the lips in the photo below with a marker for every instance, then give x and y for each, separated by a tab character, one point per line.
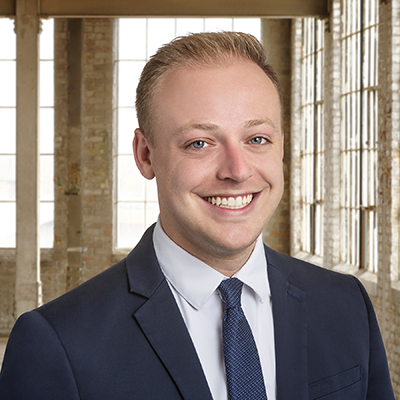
231	202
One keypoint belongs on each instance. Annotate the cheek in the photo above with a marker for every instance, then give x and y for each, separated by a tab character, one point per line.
272	173
187	174
173	182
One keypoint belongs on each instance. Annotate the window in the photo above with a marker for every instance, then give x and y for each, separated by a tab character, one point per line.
312	145
46	139
8	136
136	205
359	133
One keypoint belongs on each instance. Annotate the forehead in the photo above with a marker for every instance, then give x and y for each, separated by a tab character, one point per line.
196	67
238	75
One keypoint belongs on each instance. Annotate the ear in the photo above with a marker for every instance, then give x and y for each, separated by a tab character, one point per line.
142	153
283	144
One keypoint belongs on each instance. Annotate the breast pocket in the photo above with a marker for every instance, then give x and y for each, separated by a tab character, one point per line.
330	388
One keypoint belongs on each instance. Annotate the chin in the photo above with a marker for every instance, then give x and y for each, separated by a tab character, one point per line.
234	246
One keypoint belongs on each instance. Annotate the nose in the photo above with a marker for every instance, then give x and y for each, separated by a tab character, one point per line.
233	164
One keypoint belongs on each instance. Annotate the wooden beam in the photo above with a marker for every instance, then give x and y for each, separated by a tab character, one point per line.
174	8
183	8
7	8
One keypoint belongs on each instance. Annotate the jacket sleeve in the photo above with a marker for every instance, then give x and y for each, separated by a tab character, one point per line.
35	364
379	384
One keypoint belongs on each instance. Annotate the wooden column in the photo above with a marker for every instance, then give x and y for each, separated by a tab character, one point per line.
28	285
276	38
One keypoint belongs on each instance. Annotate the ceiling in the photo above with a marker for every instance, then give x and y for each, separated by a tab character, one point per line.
177	8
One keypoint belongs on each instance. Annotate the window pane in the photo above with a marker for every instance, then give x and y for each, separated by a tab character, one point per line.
248	25
46	84
131	224
151	190
8	40
46	178
46	134
359	133
8	84
7	178
47	130
218	24
312	149
127	123
161	31
47	40
46	224
131	184
131	43
8	224
152	211
128	78
8	134
8	131
185	26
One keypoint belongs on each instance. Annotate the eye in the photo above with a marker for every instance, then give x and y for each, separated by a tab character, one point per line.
258	140
199	144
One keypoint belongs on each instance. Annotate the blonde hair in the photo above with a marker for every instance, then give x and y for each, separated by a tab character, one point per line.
198	49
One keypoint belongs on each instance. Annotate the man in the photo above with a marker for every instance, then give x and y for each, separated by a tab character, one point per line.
163	324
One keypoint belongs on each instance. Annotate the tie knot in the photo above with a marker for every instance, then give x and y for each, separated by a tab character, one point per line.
231	290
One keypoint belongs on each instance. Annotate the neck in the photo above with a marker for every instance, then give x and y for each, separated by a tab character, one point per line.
226	264
225	260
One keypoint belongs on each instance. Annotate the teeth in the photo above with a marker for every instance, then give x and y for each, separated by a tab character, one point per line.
231	202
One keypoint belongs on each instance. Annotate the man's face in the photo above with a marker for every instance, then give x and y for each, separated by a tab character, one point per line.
217	157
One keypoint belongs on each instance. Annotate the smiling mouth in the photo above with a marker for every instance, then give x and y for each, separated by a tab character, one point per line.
233	203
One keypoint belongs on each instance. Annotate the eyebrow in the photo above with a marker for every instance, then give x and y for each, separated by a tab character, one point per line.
213	127
202	127
259	121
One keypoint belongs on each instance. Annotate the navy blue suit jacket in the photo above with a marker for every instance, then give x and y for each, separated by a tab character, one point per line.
120	336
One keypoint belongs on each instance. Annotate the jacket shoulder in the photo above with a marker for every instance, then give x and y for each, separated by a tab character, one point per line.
101	289
307	275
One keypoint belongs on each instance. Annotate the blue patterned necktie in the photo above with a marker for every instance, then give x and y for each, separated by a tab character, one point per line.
242	364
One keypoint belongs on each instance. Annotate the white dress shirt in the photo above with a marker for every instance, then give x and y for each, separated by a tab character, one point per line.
194	285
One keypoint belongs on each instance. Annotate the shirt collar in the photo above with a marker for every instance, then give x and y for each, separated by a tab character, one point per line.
196	281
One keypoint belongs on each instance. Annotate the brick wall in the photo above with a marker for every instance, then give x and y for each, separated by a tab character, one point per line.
83	154
332	89
7	290
97	144
277	233
53	269
389	183
295	156
383	287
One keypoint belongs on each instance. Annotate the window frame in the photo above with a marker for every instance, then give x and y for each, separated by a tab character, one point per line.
312	135
116	198
359	104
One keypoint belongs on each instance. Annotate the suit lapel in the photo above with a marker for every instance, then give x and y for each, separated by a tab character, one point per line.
163	325
162	322
289	312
